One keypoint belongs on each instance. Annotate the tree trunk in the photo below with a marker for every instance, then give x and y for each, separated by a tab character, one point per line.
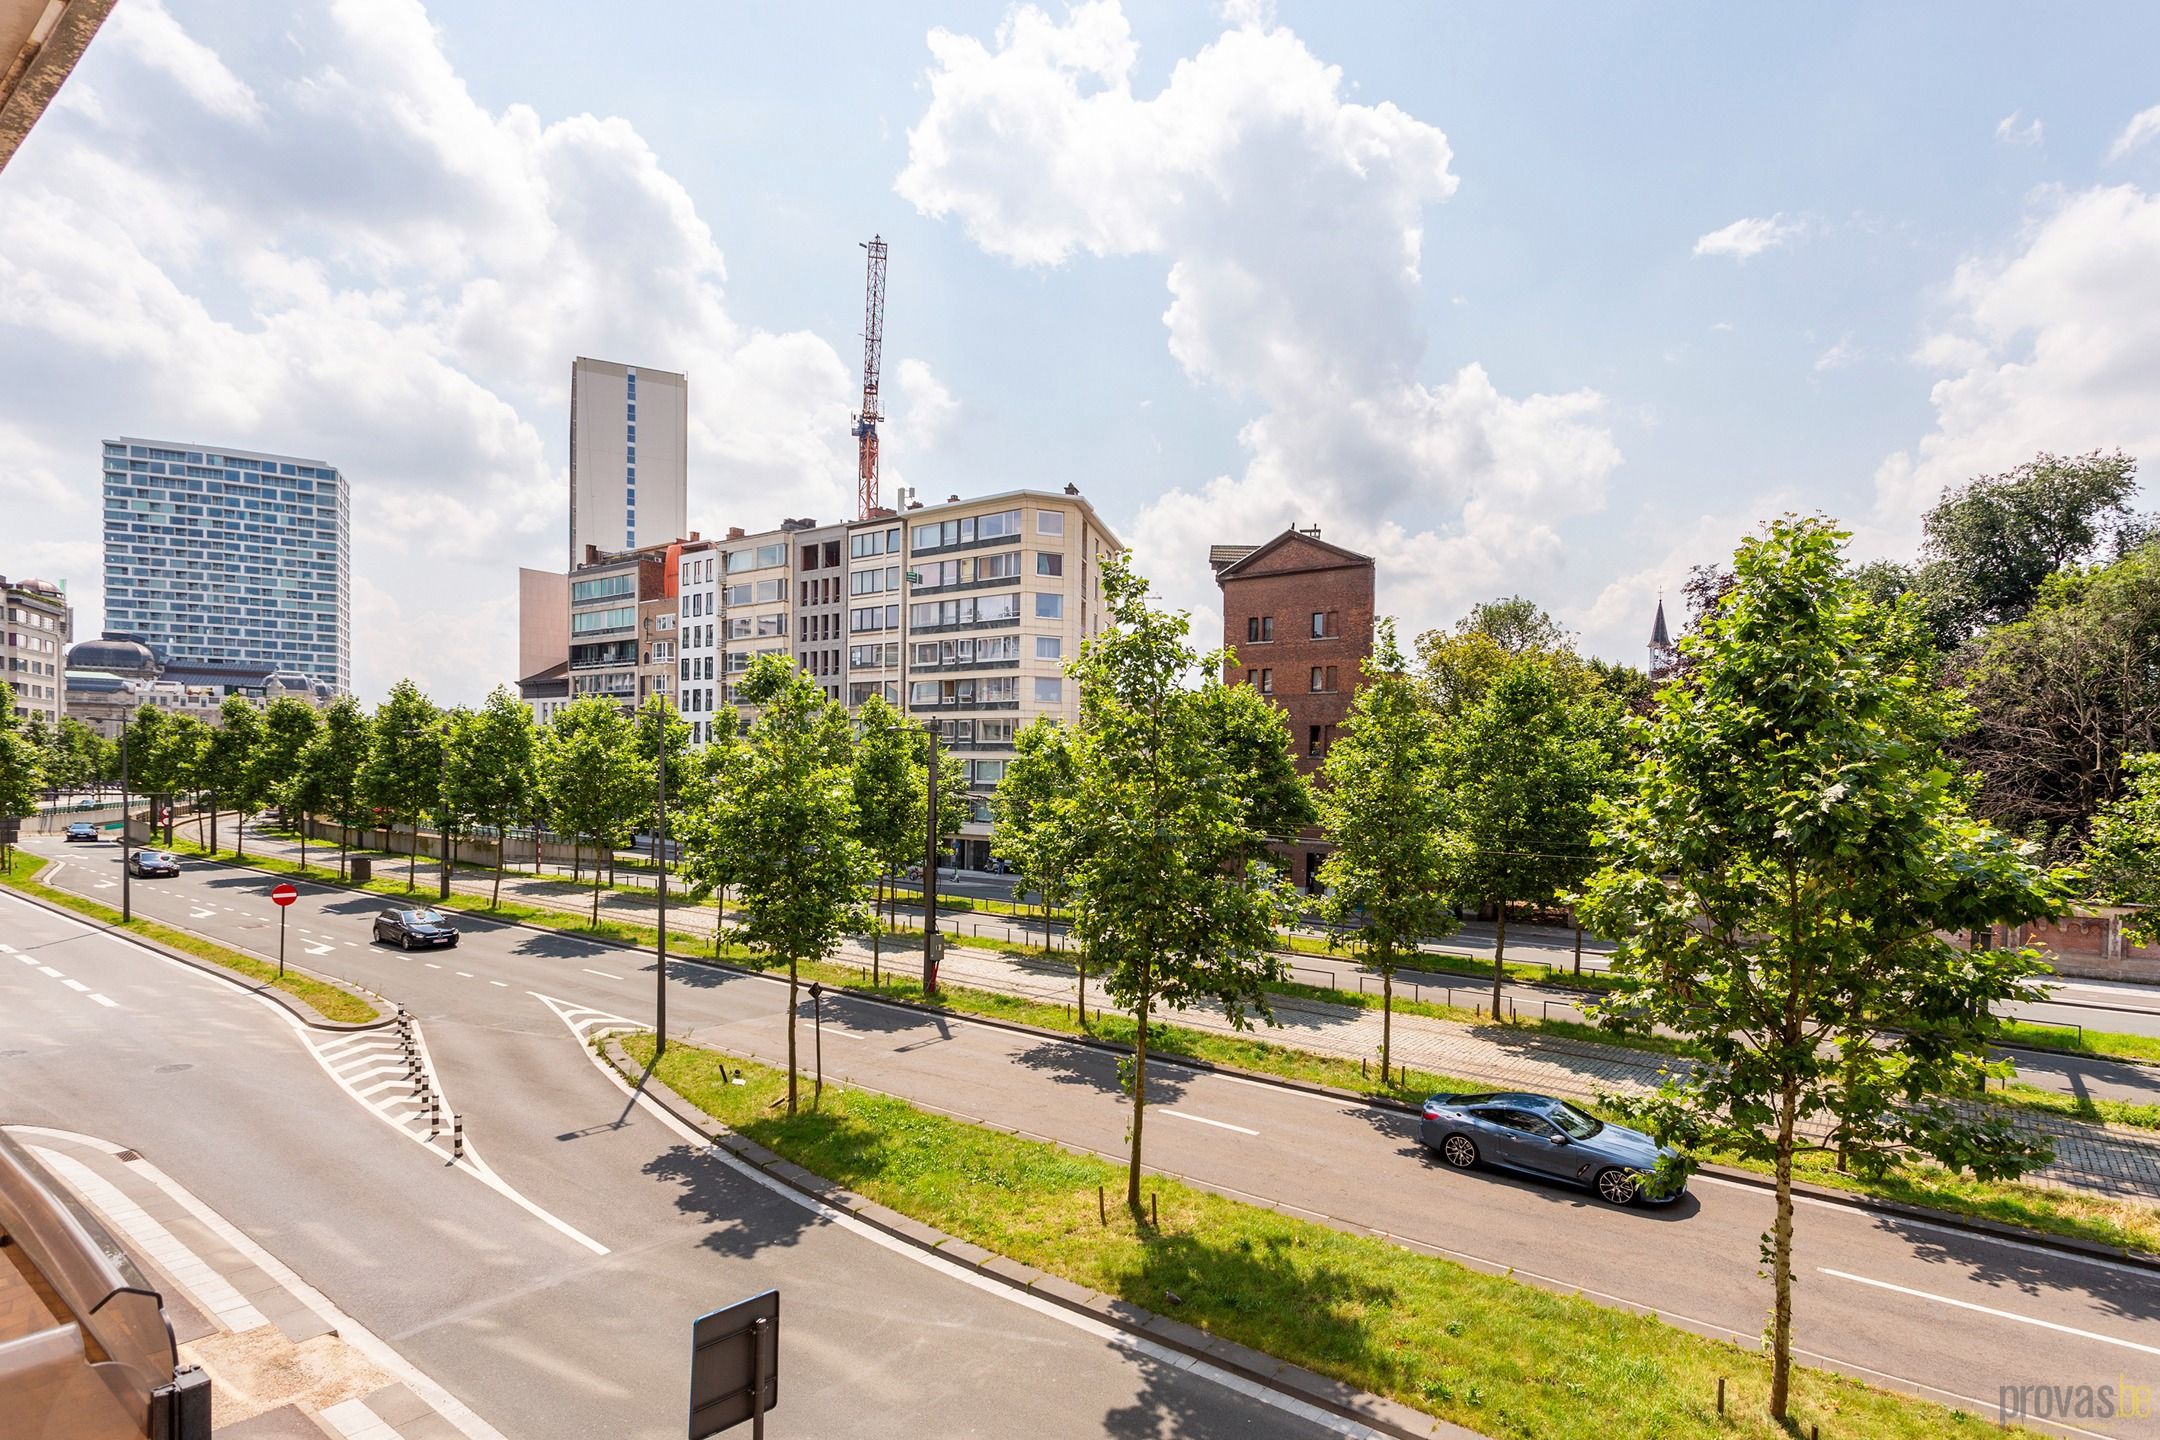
502	857
1387	1015
792	1003
412	857
1080	958
1499	960
239	835
1578	945
1139	1107
303	842
1781	1257
596	893
213	823
344	843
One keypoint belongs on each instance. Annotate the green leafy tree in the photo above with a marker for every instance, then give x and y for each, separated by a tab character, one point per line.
72	758
21	769
1383	806
591	777
660	727
954	801
708	778
1029	831
784	827
491	768
887	749
143	758
1990	544
232	772
2061	695
1521	767
1781	877
288	726
1251	734
332	768
2123	855
185	749
403	774
1459	665
1158	821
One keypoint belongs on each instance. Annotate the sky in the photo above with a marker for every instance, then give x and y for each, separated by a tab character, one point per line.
1550	300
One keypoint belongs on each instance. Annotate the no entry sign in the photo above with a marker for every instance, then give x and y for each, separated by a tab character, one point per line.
283	893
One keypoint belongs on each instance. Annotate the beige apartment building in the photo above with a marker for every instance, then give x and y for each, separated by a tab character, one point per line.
629	457
36	624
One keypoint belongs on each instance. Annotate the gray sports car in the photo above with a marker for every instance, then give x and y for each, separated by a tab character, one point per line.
1539	1135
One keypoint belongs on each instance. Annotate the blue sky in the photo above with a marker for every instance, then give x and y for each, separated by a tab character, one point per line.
1434	277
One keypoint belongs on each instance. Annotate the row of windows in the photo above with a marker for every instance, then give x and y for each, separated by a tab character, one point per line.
605	587
588	622
1322	680
763	557
757	592
1326	625
864	544
990	690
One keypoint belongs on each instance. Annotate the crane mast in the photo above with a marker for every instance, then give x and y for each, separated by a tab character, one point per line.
873	354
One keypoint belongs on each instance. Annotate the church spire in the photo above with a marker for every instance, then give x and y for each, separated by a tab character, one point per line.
1661	646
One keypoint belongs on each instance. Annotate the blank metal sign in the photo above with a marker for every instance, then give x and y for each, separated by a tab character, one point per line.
724	1363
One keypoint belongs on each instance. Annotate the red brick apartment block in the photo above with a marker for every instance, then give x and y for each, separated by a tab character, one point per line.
1298	617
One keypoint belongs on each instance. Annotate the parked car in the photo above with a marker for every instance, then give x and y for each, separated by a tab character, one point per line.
996	866
151	863
407	928
1542	1136
80	830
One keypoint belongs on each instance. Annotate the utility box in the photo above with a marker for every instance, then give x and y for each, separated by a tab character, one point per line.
362	870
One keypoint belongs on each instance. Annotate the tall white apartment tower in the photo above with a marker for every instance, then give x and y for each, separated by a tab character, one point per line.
629	457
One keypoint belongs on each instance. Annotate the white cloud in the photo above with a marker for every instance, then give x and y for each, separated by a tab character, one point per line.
2053	347
2010	132
2142	127
1746	238
382	273
1838	356
1290	223
148	31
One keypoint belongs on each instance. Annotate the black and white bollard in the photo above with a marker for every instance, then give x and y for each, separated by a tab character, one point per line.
434	1120
457	1137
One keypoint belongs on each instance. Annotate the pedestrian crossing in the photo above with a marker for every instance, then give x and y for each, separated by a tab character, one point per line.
585	1021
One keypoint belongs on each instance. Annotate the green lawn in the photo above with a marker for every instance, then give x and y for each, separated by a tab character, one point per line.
1483	1351
327	1001
2106	1043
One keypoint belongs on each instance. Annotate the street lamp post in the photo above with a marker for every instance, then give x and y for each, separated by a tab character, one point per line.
127	905
930	869
660	856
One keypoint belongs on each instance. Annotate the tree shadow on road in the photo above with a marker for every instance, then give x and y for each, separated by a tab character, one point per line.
740	1217
1070	1064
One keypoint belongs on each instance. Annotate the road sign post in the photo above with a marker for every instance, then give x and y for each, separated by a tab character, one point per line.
735	1366
282	895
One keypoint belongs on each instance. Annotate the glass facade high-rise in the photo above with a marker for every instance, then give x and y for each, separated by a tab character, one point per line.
229	558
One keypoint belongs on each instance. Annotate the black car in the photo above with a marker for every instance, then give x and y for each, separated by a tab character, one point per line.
80	830
151	863
408	928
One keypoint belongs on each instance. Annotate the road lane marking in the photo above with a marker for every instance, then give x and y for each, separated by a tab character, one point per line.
345	1326
1203	1120
76	985
602	973
231	1308
47	969
1134	1345
1990	1310
464	974
498	983
28	959
103	1001
431	965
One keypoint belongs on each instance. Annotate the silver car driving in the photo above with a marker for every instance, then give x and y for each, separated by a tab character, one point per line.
1539	1135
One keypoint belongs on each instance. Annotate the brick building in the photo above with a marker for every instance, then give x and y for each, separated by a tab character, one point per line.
1298	617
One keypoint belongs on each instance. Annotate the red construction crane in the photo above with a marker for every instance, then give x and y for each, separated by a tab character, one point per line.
873	351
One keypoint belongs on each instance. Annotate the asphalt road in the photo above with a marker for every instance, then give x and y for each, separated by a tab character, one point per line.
1928	1308
539	1334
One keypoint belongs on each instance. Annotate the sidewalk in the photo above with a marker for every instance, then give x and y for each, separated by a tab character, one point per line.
284	1363
2116	1162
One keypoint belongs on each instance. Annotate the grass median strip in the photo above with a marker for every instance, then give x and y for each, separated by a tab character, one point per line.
328	1001
1484	1351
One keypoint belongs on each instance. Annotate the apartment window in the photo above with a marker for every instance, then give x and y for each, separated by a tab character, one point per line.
1331	679
997	567
1049	562
1260	629
1049	647
1314	744
1049	522
1326	624
1049	606
1267	682
1318	675
1049	690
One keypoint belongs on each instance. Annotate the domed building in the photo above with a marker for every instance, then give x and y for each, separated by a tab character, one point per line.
128	659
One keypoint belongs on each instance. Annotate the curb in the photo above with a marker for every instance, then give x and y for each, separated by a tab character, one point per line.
2065	1244
291	1006
1257	1367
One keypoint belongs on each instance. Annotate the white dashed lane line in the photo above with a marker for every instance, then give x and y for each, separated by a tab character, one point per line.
1203	1120
601	973
1990	1310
